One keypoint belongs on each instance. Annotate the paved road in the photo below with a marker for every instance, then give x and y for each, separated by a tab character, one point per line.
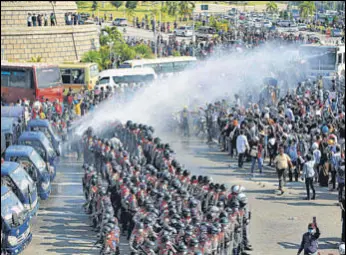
62	227
144	34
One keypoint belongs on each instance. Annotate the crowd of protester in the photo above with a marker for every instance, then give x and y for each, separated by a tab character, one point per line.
301	135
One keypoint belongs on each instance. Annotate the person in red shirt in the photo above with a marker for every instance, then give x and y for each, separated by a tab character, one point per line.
58	108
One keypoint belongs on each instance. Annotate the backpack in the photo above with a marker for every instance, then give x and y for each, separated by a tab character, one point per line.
254	151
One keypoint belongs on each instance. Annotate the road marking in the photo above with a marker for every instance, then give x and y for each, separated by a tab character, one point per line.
63	196
40	212
66	183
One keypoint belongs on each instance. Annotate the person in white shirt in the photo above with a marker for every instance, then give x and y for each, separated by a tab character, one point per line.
308	175
29	19
317	158
242	146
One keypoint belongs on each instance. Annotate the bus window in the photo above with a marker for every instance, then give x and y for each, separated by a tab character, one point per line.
167	67
339	58
16	78
125	65
77	76
94	71
180	66
66	75
104	80
48	77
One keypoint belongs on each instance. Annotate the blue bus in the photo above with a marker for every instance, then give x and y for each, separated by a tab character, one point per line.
15	223
35	166
14	176
45	127
42	145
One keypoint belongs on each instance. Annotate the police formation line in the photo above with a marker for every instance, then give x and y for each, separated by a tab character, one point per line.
161	207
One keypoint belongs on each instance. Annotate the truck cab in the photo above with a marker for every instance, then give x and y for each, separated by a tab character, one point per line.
42	145
15	223
15	177
45	127
33	164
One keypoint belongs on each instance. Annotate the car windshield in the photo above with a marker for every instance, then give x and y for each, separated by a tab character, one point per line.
43	130
21	178
10	204
38	162
49	148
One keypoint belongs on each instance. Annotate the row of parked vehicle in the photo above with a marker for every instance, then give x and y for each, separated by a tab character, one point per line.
29	154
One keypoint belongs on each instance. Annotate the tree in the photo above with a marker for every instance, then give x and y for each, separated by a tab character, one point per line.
37	59
91	56
117	4
307	8
172	8
94	5
285	15
186	7
131	4
272	7
113	35
143	51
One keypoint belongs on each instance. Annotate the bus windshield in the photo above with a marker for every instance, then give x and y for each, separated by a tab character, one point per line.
10	204
38	162
48	77
320	58
22	179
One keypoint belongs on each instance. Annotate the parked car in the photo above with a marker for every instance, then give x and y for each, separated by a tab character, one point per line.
267	24
120	22
183	31
336	32
258	25
205	33
292	28
302	27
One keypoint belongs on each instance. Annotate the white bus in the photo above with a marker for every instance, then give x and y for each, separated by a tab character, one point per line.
115	77
162	65
327	61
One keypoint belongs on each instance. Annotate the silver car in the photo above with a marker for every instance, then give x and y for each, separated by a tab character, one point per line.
183	31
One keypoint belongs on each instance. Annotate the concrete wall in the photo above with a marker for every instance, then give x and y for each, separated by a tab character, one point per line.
52	44
14	13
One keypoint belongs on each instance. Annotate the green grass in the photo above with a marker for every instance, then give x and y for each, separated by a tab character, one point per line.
140	11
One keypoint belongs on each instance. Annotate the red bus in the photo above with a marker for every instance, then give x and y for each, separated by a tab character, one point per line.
33	81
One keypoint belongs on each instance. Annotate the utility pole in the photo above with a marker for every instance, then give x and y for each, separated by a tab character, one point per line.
155	36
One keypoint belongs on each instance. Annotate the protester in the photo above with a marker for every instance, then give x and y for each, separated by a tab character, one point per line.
242	147
308	175
282	162
309	242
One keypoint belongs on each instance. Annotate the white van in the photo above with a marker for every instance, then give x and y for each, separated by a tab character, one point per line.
113	77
